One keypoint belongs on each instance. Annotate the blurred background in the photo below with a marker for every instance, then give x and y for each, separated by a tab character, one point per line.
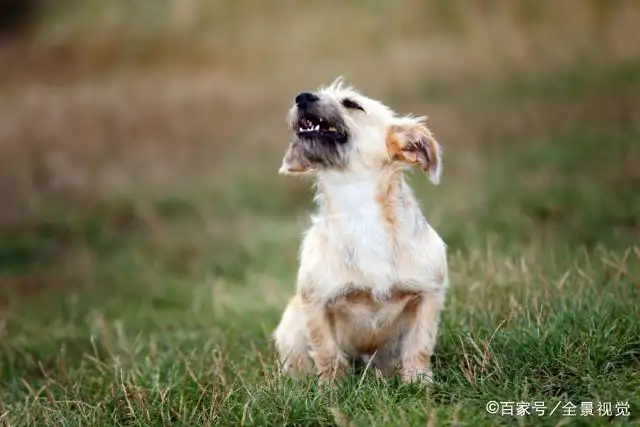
140	140
144	230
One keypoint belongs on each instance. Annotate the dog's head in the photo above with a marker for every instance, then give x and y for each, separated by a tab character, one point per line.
338	129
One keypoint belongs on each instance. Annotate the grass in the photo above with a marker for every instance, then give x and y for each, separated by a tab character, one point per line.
148	248
521	325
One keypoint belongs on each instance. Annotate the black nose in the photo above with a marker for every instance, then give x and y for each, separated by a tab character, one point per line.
305	99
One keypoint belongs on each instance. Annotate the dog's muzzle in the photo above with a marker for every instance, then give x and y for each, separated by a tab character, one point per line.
320	136
315	121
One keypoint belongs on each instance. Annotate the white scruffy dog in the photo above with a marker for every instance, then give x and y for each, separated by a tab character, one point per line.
373	273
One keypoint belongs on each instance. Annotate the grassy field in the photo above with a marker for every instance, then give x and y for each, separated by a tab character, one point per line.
148	247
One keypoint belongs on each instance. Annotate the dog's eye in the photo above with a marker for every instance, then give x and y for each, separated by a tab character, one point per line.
351	104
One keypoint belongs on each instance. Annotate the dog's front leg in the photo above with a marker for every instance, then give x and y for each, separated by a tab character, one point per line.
420	339
329	360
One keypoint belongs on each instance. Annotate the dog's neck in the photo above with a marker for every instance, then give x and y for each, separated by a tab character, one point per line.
361	193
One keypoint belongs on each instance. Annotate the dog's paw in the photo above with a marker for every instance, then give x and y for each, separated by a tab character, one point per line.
423	377
333	373
298	367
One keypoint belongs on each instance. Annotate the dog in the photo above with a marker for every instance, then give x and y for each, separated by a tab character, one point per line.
373	273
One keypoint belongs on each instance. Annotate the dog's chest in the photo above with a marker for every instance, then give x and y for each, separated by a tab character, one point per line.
358	236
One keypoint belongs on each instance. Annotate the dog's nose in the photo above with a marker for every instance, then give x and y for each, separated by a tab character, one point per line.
305	99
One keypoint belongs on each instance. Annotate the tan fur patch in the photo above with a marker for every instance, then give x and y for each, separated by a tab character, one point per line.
364	325
386	199
394	146
421	359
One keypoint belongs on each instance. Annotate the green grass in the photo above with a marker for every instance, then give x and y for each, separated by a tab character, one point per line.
578	186
158	349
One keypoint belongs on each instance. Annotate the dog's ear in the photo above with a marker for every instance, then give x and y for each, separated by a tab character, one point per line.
294	162
410	141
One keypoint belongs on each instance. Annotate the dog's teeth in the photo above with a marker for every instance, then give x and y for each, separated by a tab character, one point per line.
316	128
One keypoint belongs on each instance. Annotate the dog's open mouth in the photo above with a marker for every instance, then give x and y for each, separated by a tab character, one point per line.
312	126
